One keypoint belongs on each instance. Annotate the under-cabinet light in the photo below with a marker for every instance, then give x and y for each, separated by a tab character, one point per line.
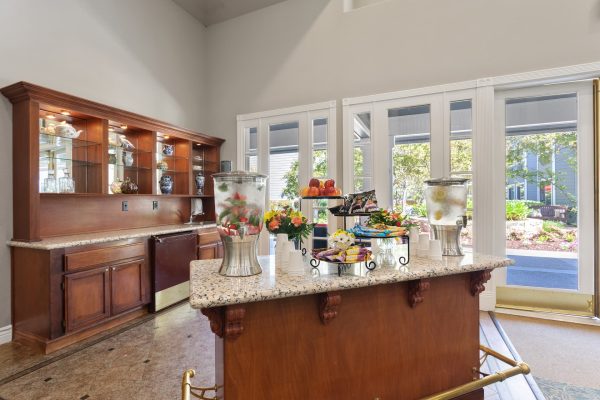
50	116
123	126
65	113
166	136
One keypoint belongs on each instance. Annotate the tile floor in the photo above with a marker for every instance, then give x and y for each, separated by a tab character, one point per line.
145	361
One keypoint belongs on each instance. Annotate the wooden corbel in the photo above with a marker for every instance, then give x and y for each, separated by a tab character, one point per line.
226	322
328	306
478	278
416	291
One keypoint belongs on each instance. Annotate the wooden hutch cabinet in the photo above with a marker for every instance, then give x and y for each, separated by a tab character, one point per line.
81	168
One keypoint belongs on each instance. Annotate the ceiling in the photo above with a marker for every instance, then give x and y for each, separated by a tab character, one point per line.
210	12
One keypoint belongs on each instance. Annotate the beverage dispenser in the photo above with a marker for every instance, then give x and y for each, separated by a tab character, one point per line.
446	200
239	208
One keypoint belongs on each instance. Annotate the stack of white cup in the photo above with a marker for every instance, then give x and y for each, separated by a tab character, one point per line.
282	251
296	263
435	249
414	240
423	250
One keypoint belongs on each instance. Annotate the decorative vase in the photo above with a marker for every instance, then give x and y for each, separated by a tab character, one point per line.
162	165
199	184
166	184
128	158
129	187
168	149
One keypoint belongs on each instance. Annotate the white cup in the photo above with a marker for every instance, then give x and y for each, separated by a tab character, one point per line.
296	263
435	249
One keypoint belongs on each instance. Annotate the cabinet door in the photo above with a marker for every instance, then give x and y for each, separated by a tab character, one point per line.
87	298
128	289
207	252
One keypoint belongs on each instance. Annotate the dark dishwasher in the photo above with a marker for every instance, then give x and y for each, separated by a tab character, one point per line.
172	255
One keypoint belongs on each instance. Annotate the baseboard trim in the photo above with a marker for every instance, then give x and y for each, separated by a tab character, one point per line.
5	334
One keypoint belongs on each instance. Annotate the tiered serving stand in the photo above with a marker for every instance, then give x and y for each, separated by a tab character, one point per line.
363	240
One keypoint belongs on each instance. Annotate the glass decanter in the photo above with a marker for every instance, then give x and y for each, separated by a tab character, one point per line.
50	183
66	184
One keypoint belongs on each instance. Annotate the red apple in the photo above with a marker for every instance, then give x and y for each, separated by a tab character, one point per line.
330	183
314	182
313	192
329	190
322	191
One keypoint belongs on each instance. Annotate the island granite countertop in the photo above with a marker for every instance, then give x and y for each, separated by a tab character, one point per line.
109	236
209	289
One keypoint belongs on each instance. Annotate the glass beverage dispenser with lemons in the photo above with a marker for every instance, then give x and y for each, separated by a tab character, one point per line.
446	200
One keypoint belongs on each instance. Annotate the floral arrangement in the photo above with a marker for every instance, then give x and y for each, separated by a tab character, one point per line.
289	221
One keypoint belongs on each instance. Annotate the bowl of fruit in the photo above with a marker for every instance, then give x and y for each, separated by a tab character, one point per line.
320	188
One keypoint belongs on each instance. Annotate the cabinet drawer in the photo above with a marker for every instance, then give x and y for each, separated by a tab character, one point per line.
209	237
84	259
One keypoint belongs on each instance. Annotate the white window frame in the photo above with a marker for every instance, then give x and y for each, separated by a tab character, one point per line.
488	213
304	115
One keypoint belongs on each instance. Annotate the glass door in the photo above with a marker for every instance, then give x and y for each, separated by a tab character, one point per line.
410	134
548	184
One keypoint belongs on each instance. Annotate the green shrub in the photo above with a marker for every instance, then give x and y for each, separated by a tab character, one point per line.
569	237
420	209
543	238
552	226
516	210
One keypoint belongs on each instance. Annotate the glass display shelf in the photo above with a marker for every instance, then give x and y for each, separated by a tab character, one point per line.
116	148
79	163
49	140
130	167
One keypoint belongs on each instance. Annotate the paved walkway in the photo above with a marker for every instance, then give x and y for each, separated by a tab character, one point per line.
543	269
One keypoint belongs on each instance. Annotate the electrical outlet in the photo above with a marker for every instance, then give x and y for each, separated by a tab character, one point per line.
124	206
155	205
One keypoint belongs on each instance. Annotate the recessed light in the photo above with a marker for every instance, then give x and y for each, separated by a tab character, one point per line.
50	116
123	126
65	113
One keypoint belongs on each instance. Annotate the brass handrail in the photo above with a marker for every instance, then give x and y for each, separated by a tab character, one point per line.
516	369
188	391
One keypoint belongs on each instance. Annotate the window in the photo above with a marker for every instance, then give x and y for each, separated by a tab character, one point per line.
320	167
361	152
283	163
461	151
251	150
409	130
290	146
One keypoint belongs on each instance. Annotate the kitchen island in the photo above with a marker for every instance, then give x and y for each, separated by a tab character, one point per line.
392	333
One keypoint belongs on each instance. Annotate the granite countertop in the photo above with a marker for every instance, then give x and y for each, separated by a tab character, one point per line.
103	237
209	289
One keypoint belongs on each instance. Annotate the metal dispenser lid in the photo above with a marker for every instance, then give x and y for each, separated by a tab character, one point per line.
239	176
446	181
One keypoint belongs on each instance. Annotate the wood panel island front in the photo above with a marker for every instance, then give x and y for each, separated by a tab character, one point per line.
392	333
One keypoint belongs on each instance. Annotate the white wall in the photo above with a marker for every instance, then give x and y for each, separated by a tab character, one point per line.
144	56
306	51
